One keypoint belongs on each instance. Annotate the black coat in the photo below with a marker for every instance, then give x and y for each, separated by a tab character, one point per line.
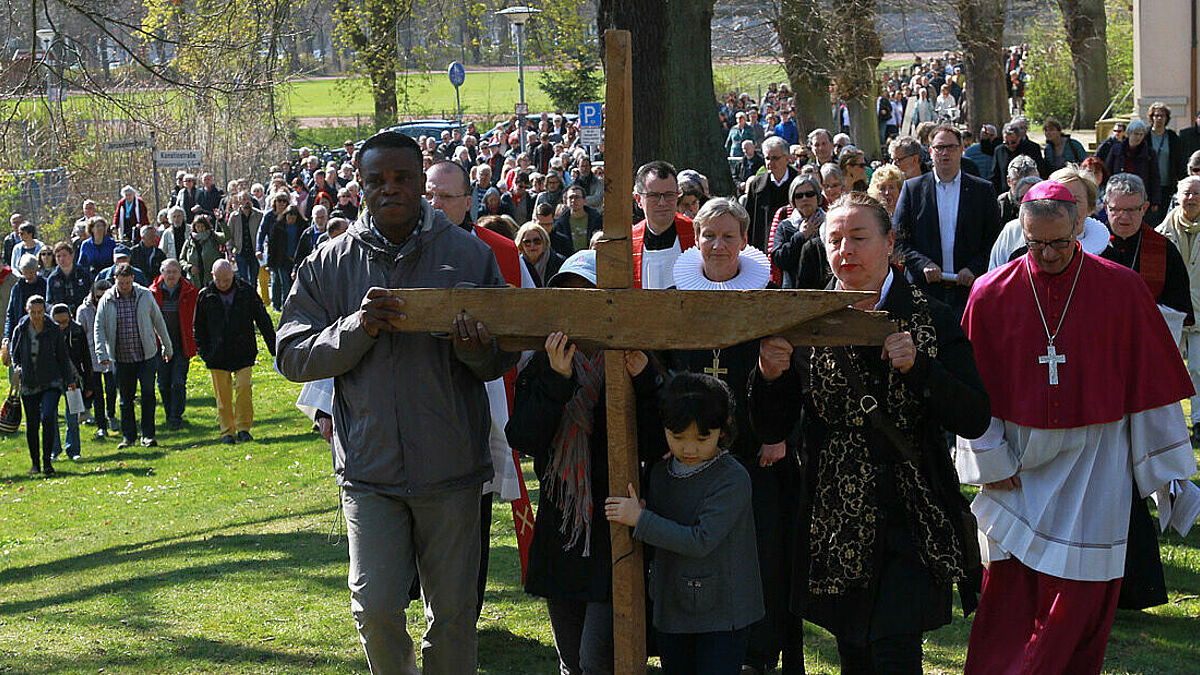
79	353
552	266
541	396
919	237
225	339
902	597
1189	142
52	364
1003	156
560	235
72	290
149	259
763	199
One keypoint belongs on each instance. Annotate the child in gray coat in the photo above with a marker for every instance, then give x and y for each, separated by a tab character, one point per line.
704	581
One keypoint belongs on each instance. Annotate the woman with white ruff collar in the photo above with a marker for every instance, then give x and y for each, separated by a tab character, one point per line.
724	260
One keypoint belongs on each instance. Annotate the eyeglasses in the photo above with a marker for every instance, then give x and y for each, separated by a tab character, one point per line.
663	197
1056	244
1114	211
774	158
948	147
807	194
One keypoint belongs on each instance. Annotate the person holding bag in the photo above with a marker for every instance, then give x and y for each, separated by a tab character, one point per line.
39	353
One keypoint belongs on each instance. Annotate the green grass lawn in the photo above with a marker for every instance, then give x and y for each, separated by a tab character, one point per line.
196	557
483	93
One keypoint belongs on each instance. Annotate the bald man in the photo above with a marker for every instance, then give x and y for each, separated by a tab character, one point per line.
226	313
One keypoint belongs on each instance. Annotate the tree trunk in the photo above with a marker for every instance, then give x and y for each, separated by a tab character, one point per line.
856	52
981	34
1086	27
799	26
672	52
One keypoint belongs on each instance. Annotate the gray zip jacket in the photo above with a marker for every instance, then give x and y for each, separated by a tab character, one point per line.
410	415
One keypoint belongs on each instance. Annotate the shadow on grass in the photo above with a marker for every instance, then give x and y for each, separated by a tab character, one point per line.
180	545
502	652
200	654
272	556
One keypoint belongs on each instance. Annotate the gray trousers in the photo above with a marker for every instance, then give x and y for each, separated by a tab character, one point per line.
390	539
583	636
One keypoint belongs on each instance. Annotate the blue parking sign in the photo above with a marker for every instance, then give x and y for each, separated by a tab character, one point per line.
457	74
590	115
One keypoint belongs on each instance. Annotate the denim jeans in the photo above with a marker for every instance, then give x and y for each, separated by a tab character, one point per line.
281	284
72	447
172	385
129	377
247	268
41	426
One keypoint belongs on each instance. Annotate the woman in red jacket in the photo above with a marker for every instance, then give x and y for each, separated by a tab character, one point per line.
177	300
130	216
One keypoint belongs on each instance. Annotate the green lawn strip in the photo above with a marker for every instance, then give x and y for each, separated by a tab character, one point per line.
196	557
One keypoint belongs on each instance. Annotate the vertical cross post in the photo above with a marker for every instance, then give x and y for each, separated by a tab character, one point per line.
614	269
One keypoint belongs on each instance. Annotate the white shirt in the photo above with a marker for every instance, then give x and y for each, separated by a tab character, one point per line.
1070	516
946	193
1093	240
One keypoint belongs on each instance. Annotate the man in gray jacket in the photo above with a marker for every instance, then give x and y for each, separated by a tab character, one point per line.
410	412
129	328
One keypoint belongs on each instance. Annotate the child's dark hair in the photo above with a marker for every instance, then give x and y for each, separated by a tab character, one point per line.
705	400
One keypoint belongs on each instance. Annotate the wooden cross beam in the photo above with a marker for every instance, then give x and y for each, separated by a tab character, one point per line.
616	317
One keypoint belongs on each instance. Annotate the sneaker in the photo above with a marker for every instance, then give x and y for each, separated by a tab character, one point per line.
244	437
55	456
149	443
100	434
76	457
227	439
125	443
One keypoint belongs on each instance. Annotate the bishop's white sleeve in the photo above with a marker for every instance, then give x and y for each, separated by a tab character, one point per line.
1160	447
986	459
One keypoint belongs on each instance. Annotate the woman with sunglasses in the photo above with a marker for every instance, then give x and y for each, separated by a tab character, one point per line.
543	262
799	222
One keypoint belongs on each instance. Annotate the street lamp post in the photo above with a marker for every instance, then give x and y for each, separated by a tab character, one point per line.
519	15
46	37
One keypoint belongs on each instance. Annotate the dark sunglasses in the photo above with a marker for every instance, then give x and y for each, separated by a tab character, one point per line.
804	195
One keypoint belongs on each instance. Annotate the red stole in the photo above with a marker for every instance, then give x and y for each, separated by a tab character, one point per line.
1120	355
1153	264
505	252
683	231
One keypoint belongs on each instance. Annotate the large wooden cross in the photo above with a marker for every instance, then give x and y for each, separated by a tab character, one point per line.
615	317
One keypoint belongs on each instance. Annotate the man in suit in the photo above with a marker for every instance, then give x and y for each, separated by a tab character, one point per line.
767	192
946	221
1189	139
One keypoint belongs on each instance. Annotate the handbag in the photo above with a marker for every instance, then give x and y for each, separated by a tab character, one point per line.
10	412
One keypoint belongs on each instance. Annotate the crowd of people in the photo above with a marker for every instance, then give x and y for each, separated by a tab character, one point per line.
780	484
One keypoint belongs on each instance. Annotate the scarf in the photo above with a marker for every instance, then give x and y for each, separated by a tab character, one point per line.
542	264
846	516
1184	228
569	475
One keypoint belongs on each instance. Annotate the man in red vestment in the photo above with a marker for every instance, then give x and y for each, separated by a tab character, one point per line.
1085	383
663	234
448	187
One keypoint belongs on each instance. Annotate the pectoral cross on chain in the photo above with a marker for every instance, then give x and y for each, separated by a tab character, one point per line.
1052	359
716	370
